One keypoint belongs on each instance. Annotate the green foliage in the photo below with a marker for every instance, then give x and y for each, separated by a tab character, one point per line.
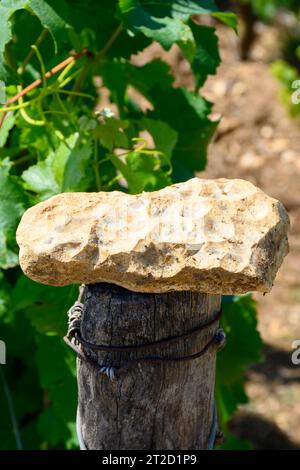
243	347
52	140
13	204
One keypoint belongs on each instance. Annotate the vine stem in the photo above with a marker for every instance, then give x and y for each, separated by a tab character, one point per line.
11	411
98	56
39	40
109	43
39	81
57	68
21	160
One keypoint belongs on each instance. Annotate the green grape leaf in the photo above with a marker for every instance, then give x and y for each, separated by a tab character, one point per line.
112	134
59	158
113	76
4	299
163	135
119	74
51	14
66	169
228	398
19	325
144	78
95	24
8	258
142	172
54	15
52	427
162	21
228	18
243	347
35	139
78	172
13	204
44	306
7	125
24	20
187	113
64	397
41	180
7	8
72	442
7	74
57	375
53	369
206	58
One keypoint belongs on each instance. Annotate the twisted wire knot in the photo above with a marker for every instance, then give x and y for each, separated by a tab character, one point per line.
74	317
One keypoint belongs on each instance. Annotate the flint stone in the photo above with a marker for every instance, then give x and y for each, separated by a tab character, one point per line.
214	236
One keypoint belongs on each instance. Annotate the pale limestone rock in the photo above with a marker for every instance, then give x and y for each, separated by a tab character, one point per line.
213	236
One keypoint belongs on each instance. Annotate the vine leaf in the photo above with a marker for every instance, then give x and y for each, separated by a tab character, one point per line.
4	299
202	52
111	133
187	113
240	325
54	15
168	23
184	111
95	22
66	169
41	180
13	204
51	14
228	18
7	125
142	172
162	21
163	135
78	173
57	376
42	305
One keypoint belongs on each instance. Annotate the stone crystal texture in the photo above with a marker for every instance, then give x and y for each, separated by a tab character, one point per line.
214	236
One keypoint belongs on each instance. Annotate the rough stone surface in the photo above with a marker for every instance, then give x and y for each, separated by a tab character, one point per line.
212	236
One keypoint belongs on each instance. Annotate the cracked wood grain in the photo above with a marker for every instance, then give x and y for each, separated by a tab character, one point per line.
152	406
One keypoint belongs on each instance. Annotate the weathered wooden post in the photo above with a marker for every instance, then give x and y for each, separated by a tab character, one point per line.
155	266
